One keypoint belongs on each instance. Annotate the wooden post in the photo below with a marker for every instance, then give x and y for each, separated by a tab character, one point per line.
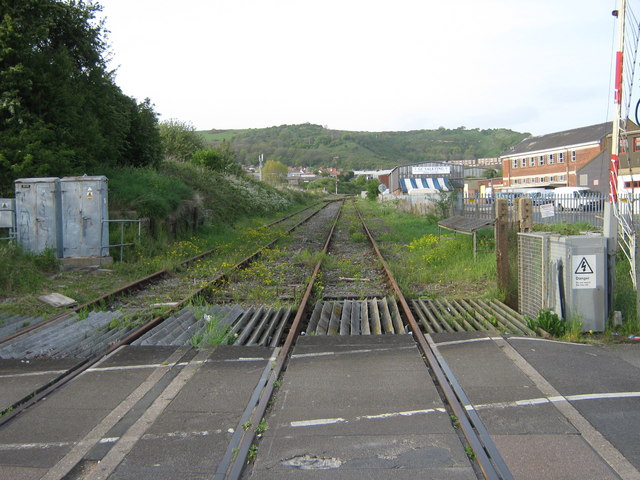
525	214
475	245
501	236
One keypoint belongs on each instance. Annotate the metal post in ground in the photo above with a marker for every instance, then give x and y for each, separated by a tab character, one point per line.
610	231
502	247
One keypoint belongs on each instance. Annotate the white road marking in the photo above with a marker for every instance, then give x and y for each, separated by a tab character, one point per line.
470	340
319	421
33	374
408	413
331	421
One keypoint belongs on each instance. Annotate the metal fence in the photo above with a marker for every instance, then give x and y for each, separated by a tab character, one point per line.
548	208
532	274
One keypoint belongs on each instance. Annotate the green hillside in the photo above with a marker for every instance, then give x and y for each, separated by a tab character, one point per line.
314	146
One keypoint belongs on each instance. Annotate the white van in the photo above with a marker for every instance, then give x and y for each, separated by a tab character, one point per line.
577	198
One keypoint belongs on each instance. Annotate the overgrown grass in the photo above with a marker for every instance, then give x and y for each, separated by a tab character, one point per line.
229	197
426	265
564	228
625	298
145	190
22	271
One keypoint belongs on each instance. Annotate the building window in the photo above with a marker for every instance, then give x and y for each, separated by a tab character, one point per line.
573	155
562	178
561	157
523	162
532	161
515	163
551	159
540	161
623	146
636	144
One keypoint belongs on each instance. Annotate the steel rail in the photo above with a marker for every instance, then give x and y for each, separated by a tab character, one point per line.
142	282
235	457
488	457
46	389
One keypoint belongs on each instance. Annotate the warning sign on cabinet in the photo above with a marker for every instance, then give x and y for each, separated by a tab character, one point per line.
584	271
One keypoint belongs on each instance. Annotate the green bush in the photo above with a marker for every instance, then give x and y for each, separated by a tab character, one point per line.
549	322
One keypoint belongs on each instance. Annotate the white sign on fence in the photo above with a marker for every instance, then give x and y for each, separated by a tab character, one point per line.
584	271
547	210
431	170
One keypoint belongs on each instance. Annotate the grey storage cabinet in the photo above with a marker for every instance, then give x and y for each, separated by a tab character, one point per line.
84	211
38	219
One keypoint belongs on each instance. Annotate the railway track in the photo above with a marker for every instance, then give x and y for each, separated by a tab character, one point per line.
330	282
139	296
94	330
369	316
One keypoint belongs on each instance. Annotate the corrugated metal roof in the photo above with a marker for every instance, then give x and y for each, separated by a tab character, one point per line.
577	136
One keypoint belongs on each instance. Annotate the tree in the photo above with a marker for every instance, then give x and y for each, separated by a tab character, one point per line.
180	140
221	160
60	111
143	142
491	173
372	189
346	176
274	172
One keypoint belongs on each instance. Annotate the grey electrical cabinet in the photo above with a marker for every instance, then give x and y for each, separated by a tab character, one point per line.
7	210
565	274
581	281
37	211
84	211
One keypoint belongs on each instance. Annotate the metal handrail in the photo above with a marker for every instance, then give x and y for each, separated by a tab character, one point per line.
122	243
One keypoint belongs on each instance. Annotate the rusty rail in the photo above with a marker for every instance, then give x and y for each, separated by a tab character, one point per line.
234	460
488	458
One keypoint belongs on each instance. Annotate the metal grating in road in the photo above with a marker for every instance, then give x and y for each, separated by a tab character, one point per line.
374	316
11	323
438	316
79	336
226	324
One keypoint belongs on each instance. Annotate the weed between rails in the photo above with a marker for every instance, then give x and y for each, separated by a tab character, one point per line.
214	333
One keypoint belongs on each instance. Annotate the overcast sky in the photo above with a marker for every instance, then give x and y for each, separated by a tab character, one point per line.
535	66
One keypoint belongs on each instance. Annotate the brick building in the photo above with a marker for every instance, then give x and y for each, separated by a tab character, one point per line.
553	160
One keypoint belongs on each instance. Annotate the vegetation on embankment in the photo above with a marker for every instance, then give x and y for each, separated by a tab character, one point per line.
223	198
316	146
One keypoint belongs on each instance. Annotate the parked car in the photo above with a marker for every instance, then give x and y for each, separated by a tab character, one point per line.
577	198
541	197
